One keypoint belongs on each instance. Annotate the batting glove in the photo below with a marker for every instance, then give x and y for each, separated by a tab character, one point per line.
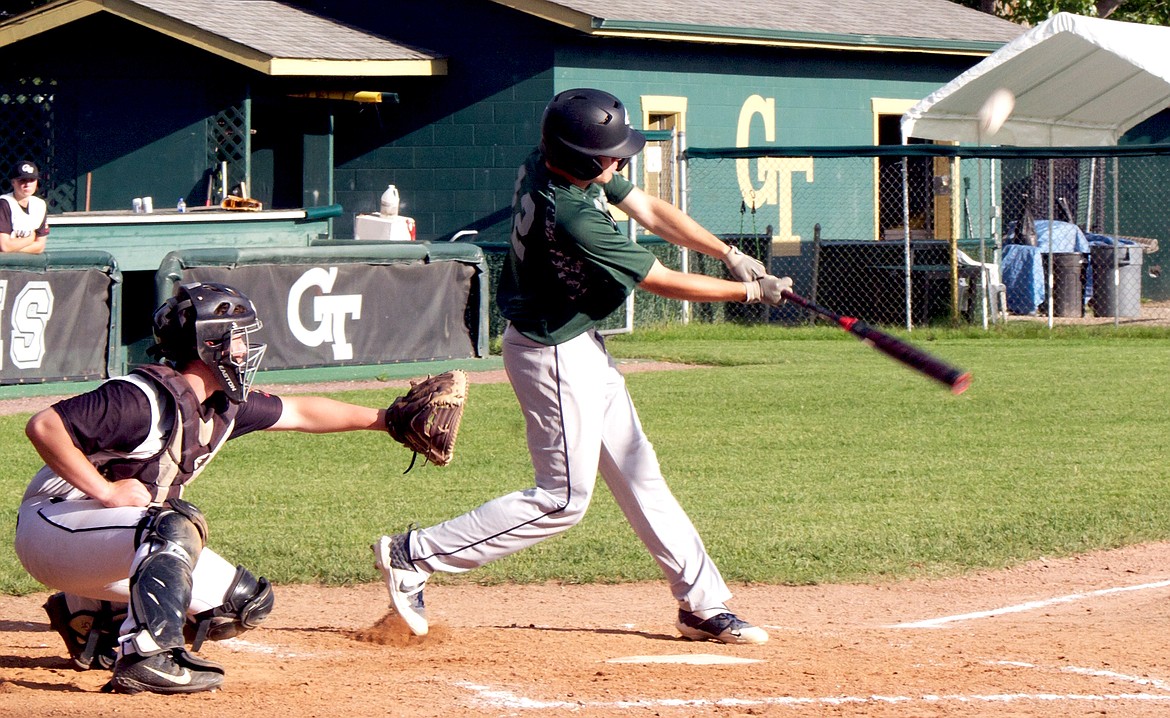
742	267
768	290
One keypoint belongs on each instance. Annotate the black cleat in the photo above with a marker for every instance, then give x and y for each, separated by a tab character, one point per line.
90	637
172	671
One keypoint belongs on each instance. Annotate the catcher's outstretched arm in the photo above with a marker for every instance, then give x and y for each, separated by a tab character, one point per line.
321	415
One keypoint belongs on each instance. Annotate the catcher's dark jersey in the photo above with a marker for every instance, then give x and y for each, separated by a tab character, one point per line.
569	267
116	416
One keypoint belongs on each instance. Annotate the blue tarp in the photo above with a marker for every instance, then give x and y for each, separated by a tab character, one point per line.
1065	237
1022	271
1022	268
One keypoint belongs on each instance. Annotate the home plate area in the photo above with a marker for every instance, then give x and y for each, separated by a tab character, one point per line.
1077	636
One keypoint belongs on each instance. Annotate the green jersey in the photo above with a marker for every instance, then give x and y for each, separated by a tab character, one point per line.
568	266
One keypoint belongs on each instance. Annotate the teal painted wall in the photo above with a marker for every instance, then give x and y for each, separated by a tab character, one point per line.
133	107
819	99
452	146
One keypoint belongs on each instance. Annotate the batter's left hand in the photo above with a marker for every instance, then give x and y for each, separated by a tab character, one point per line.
742	267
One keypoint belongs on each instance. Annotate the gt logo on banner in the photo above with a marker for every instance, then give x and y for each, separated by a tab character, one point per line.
328	310
30	315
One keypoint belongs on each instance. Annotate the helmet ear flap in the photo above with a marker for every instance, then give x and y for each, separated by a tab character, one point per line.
174	330
565	158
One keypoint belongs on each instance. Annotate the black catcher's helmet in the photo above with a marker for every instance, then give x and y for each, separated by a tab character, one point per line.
211	322
581	125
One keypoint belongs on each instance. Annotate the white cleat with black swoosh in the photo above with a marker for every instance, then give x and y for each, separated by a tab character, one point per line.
391	556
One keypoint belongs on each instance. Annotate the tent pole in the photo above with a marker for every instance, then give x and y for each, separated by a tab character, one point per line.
1052	213
906	236
1117	243
983	296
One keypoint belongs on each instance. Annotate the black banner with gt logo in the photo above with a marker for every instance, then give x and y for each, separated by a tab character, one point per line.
337	314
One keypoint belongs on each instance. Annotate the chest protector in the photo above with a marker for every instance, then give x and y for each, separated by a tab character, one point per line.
197	434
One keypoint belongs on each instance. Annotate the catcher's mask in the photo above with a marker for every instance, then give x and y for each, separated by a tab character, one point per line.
214	323
581	125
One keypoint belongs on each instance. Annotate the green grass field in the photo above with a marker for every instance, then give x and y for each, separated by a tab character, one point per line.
801	455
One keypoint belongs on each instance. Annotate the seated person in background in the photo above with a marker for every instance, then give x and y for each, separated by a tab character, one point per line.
23	225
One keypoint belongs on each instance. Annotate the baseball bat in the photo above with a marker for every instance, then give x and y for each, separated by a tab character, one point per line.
913	357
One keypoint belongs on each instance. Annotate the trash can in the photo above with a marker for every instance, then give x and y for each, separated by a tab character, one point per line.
1127	291
1068	286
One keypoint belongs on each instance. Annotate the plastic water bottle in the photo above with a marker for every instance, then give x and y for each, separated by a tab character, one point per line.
182	206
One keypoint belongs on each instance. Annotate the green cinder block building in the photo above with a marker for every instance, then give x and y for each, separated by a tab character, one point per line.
318	103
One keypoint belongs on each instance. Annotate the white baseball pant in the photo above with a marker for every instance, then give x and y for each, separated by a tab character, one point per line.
580	419
86	550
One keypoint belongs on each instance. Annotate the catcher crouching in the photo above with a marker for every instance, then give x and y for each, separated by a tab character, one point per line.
104	522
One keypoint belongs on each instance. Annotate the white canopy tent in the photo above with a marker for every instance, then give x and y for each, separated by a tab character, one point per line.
1078	81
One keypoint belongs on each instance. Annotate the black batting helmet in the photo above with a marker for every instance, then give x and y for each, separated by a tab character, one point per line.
211	322
583	124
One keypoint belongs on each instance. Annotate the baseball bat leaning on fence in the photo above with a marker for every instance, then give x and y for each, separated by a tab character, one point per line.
913	357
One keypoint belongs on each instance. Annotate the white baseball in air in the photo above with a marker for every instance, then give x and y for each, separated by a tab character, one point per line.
995	110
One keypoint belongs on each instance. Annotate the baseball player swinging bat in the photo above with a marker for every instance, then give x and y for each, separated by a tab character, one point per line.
913	357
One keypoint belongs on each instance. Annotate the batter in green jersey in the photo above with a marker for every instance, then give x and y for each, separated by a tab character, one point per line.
569	267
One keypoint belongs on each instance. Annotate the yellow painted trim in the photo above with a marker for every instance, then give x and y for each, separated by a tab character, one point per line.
730	40
664	104
552	12
883	106
61	13
660	105
358	68
886	106
46	18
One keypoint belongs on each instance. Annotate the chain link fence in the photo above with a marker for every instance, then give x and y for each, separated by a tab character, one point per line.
920	235
938	234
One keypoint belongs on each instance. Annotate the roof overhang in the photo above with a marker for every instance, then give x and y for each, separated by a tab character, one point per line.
63	12
715	34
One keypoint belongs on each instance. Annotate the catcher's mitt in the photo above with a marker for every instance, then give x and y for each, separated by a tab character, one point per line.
241	203
426	419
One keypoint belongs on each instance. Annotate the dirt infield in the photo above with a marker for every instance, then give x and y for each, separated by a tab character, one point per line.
1080	636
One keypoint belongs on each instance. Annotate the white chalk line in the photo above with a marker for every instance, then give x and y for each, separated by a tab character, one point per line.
240	645
1094	672
1029	606
500	698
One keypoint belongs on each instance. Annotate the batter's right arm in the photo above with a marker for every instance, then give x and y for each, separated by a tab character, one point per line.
672	284
47	433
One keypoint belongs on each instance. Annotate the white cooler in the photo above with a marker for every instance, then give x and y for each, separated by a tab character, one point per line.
376	226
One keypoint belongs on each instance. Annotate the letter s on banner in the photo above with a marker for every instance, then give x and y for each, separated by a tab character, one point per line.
30	315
